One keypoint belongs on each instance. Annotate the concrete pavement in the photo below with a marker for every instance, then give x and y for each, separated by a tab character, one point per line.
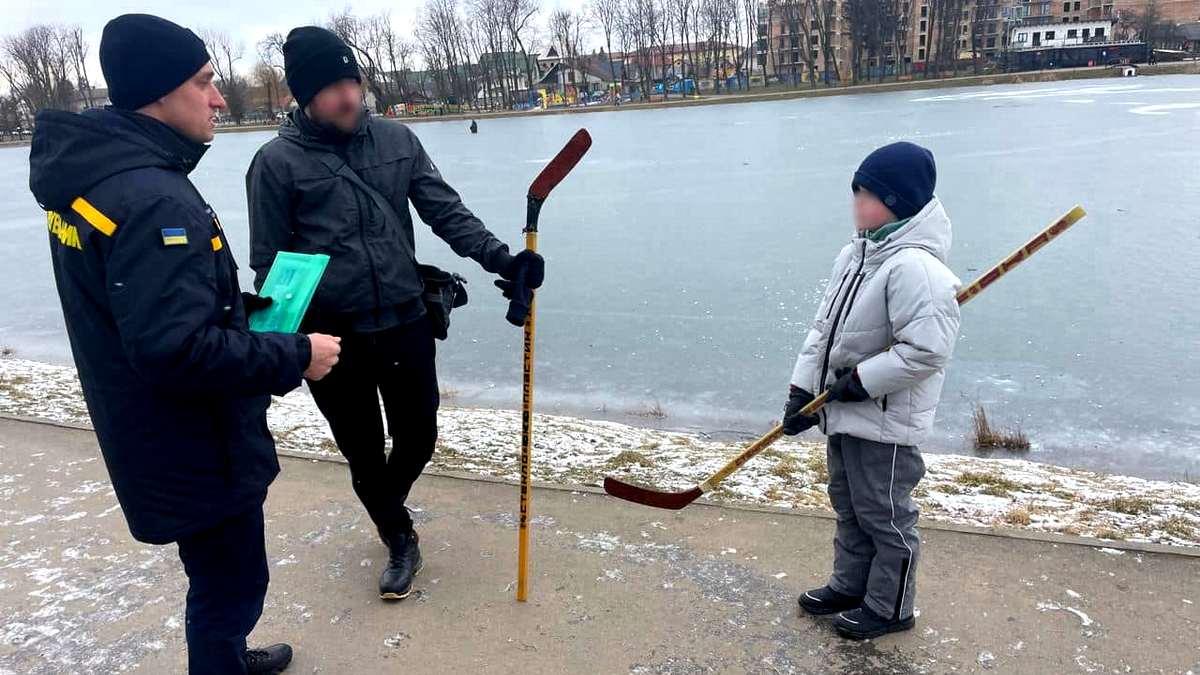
615	587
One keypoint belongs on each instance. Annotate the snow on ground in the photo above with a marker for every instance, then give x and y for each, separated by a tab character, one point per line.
1003	493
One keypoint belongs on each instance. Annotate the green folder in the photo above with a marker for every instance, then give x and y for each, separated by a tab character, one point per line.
290	284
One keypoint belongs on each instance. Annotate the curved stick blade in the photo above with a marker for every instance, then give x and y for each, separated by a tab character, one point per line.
648	497
561	165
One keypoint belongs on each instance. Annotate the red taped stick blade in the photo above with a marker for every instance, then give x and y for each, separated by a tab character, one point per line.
648	497
561	165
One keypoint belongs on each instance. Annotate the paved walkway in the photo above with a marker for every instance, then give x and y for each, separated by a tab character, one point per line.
615	588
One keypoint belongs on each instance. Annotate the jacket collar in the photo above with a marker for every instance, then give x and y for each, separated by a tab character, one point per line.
181	150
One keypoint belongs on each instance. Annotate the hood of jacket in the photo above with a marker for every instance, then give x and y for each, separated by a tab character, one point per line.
928	230
73	152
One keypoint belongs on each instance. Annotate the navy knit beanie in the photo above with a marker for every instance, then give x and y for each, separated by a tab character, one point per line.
314	58
144	58
902	175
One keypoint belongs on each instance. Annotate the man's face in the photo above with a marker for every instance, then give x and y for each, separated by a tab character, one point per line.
338	105
191	108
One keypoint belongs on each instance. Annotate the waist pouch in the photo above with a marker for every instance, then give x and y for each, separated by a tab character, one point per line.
444	291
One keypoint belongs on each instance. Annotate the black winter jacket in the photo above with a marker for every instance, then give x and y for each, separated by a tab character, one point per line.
299	203
176	385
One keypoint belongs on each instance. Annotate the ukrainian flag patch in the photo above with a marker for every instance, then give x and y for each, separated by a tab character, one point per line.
174	236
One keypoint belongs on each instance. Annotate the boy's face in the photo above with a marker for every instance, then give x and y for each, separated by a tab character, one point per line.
869	212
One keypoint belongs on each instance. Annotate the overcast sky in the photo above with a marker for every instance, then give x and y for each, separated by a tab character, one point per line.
248	21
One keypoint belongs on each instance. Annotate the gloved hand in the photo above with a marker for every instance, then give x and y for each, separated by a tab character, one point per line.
532	265
252	303
848	388
793	421
525	272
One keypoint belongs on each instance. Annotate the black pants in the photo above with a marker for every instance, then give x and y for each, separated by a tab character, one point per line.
226	566
399	365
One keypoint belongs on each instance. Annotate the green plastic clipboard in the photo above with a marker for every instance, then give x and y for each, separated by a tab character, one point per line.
291	284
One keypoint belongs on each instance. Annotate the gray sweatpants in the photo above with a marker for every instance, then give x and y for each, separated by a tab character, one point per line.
876	547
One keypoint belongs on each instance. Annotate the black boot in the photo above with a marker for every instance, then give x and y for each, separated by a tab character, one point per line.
404	563
268	660
864	624
824	600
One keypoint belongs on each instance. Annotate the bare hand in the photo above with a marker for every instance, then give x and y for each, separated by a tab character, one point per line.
325	350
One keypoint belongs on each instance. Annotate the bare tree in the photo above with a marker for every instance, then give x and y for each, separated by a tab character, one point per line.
566	30
606	14
362	36
36	64
225	53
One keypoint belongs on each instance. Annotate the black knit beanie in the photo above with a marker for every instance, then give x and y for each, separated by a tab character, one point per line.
902	175
314	58
145	57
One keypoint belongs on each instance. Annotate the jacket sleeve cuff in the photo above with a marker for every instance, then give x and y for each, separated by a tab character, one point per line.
499	260
303	353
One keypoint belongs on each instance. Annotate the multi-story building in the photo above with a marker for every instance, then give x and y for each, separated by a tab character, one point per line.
930	33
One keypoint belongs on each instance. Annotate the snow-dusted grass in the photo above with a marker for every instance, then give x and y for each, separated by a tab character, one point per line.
1004	493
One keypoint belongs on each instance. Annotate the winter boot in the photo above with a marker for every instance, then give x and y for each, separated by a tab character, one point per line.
824	600
864	624
268	660
404	563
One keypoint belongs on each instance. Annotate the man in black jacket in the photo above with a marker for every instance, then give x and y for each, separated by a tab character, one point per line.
176	385
310	190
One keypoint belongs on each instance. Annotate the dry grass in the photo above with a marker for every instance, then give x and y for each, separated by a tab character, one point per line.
992	483
449	393
988	437
1134	506
1179	527
787	467
650	411
1109	533
816	464
629	458
1017	516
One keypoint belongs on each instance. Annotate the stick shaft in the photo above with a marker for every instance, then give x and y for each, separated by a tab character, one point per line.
526	442
970	291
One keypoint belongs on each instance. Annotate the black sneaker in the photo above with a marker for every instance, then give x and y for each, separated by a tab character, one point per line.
864	624
824	600
404	563
268	660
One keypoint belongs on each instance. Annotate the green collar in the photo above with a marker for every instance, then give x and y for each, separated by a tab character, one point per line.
880	233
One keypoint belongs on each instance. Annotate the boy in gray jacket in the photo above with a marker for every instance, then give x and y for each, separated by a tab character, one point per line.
885	328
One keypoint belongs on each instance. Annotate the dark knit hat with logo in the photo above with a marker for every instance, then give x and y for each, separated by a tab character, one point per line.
902	175
144	58
314	58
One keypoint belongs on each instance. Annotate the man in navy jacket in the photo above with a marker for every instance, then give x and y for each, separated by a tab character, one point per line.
176	384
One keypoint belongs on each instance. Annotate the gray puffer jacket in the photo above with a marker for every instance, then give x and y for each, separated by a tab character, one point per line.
890	310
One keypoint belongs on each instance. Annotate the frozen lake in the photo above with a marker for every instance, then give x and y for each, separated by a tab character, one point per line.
687	252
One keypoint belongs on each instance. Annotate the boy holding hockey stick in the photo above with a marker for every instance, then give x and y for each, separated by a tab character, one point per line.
882	336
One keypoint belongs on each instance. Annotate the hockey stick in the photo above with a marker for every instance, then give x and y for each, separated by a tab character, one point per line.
678	500
539	190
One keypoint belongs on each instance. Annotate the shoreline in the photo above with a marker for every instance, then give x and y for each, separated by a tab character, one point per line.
1005	494
783	93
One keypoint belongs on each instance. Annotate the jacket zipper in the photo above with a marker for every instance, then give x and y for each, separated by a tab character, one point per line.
836	294
362	234
833	333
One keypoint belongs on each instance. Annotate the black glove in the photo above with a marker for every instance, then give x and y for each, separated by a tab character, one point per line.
530	263
848	388
793	421
252	303
525	272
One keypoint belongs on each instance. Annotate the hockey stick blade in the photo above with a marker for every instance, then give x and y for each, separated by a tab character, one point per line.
561	165
647	497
